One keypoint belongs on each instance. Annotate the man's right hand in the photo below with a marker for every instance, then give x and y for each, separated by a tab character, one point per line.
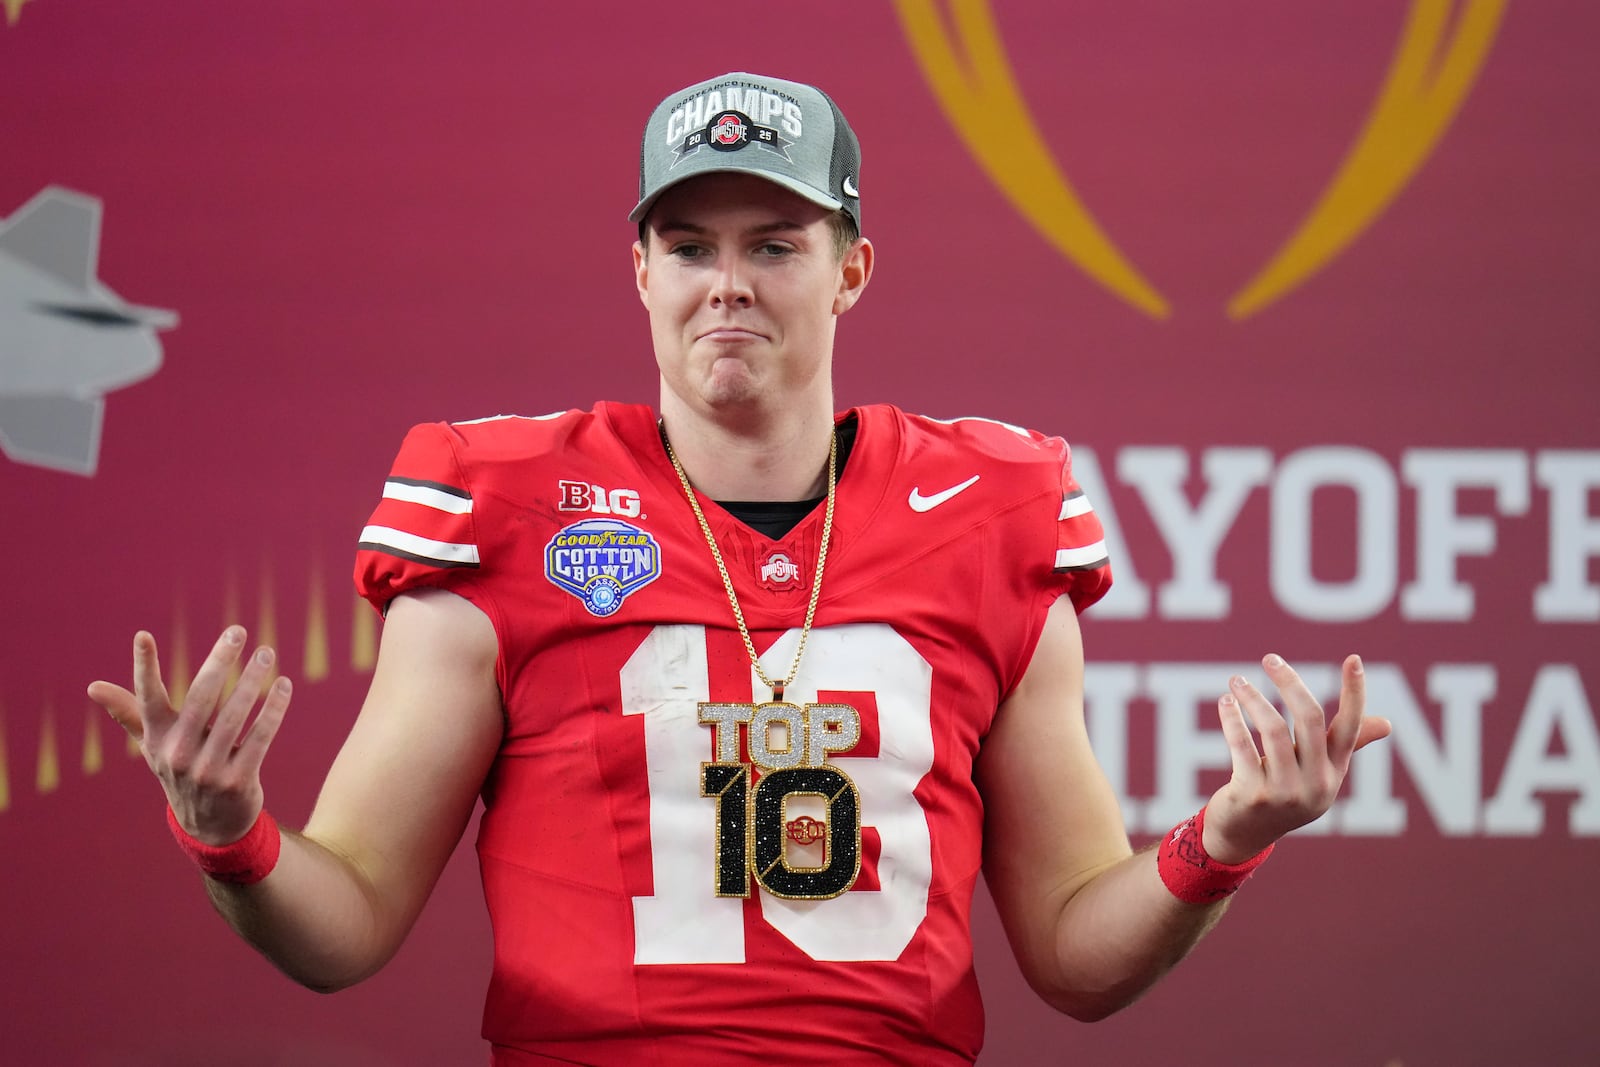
207	753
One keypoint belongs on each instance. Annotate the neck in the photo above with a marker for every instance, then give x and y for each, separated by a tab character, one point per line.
766	456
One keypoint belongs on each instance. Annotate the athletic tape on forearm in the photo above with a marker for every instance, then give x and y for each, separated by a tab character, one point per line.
244	862
1193	876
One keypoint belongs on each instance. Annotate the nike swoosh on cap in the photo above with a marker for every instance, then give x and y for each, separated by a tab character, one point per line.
920	503
850	187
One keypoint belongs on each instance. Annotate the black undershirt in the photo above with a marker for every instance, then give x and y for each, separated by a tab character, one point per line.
775	518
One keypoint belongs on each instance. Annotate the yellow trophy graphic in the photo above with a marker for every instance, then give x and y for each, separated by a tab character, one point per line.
1434	67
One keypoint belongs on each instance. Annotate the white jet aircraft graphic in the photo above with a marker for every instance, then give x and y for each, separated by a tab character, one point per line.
65	339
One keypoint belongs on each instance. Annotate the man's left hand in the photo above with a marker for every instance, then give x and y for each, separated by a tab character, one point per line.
1292	778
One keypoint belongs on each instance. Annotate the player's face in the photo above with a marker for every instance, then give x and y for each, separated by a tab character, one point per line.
743	285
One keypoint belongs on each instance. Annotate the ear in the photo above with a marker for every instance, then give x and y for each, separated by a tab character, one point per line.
641	273
855	271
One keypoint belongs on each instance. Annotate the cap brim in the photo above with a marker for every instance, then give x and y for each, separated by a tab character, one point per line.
799	188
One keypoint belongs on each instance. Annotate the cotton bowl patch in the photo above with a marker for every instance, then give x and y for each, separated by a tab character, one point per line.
601	561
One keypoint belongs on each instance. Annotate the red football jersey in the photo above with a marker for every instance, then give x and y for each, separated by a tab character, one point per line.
678	868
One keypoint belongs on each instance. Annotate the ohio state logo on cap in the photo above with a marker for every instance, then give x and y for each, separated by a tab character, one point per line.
728	131
731	131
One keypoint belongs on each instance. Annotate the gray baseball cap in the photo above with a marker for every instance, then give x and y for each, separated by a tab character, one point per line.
784	131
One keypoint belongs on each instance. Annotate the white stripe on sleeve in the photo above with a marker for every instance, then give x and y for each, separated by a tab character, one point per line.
428	497
1074	506
411	545
1068	558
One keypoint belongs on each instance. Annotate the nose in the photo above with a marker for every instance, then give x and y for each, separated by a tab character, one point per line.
731	286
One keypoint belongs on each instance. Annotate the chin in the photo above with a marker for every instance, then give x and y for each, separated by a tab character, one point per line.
731	387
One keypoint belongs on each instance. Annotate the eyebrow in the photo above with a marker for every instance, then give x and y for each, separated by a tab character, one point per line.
780	226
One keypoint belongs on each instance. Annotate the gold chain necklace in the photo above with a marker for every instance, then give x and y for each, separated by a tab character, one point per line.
727	583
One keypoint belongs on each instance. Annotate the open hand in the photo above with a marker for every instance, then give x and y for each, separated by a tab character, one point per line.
207	753
1291	779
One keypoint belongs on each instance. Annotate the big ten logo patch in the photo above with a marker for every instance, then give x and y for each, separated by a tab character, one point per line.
786	817
586	496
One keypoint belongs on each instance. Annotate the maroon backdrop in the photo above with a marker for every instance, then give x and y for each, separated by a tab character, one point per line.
373	215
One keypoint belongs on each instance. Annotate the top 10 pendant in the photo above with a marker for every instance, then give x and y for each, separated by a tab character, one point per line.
797	827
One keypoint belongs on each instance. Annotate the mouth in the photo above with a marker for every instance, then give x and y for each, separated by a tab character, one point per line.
729	335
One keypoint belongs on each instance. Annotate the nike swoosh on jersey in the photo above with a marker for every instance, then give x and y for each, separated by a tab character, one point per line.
919	502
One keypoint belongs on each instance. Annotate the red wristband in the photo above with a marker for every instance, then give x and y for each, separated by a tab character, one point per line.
244	862
1194	877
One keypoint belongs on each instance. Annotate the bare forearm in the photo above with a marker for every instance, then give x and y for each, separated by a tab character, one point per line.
343	895
316	917
1117	936
1092	925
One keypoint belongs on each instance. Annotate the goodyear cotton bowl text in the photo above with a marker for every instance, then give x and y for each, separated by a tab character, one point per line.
601	561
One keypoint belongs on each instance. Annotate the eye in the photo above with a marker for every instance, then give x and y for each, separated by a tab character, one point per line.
773	250
687	251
